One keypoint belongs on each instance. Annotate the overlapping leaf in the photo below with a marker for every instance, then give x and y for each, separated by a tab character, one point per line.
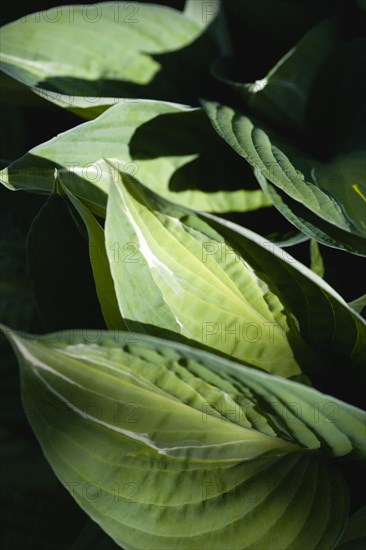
59	269
114	50
316	260
324	200
359	304
99	262
354	536
282	95
222	286
167	434
171	148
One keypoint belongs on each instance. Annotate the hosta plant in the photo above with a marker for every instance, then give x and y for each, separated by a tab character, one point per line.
191	358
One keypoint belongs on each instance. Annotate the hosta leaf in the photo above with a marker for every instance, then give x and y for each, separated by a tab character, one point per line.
174	265
171	148
222	286
17	305
165	436
11	413
142	51
321	199
310	223
59	268
316	260
359	304
354	536
99	262
282	95
323	317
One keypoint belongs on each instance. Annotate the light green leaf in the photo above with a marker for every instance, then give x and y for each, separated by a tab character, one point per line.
172	148
301	187
142	51
136	421
223	287
359	304
354	536
175	266
316	260
282	95
99	262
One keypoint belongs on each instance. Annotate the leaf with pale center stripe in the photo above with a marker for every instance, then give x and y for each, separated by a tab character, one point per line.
185	448
223	287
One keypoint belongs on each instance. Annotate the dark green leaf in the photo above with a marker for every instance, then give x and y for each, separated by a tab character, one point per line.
354	536
321	199
60	269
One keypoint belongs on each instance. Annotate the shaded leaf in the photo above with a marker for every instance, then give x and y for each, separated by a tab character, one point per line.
359	304
60	270
143	51
354	536
99	262
282	95
295	181
171	148
316	260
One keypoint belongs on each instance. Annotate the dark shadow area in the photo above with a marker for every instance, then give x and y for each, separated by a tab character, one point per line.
183	77
337	106
354	473
217	168
60	270
263	31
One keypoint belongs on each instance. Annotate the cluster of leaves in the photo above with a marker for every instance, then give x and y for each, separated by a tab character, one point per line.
195	384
